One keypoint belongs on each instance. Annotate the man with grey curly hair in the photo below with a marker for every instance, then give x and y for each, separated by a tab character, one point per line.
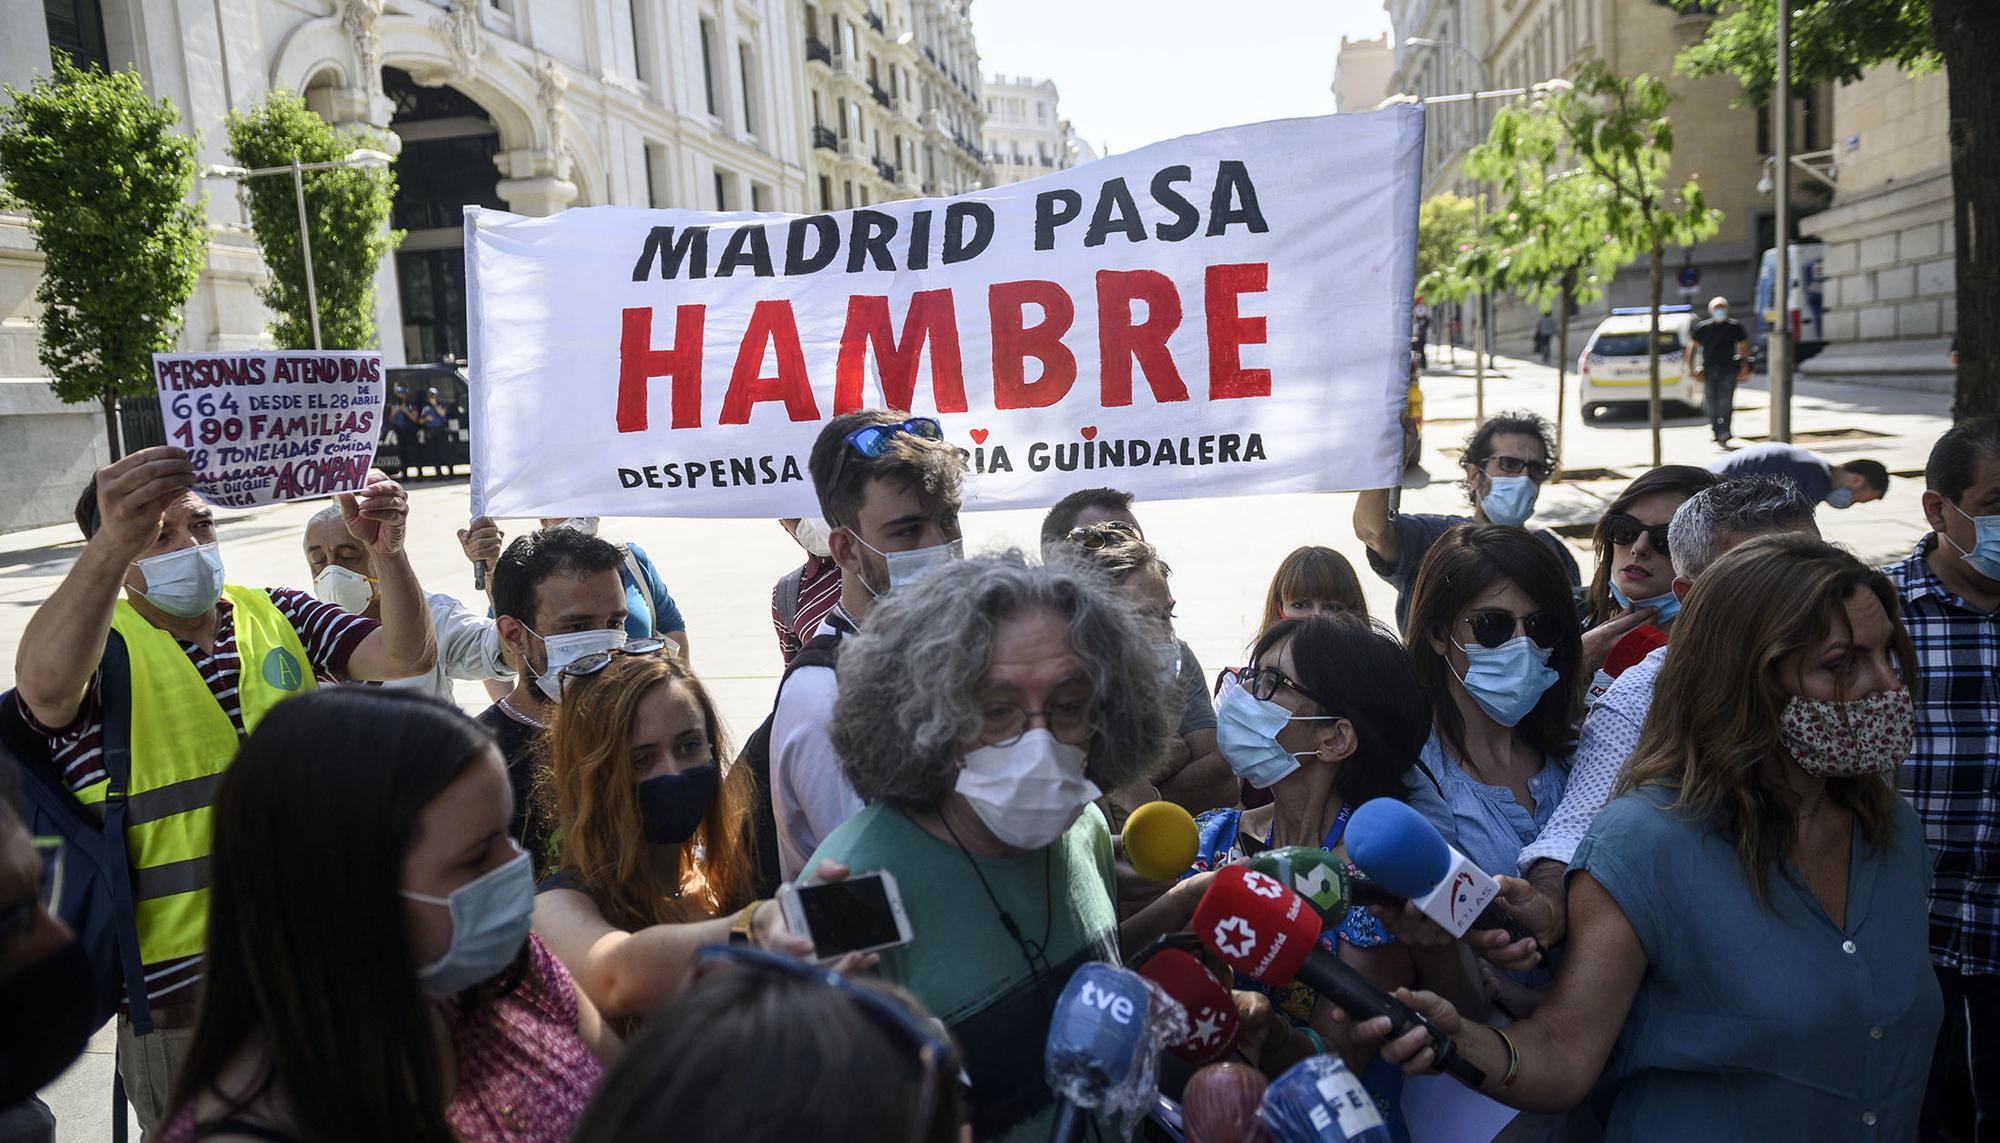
980	713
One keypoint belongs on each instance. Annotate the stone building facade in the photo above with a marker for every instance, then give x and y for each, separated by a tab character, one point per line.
1026	135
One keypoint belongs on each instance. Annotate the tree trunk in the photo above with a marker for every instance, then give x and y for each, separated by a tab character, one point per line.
1968	33
110	402
1653	357
1562	357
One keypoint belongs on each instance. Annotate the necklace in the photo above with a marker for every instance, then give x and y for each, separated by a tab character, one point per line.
515	713
1034	952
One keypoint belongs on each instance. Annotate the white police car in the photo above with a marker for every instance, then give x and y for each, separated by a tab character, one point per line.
1611	371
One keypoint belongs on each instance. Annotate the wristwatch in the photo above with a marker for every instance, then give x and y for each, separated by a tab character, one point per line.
741	929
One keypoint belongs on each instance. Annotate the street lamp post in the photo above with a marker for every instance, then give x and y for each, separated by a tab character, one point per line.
363	157
1480	335
1780	336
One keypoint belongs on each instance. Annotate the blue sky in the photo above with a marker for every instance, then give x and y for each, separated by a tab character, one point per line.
1133	72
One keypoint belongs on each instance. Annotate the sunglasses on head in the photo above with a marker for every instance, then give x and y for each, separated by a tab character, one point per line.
1492	627
927	1042
1623	530
872	441
596	661
1110	534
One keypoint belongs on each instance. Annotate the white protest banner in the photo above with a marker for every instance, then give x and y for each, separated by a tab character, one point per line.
271	425
1220	315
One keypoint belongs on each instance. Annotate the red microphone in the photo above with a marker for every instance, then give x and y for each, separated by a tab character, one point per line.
1271	935
1220	1104
1213	1023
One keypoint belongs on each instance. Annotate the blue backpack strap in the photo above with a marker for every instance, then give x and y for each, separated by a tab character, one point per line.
115	688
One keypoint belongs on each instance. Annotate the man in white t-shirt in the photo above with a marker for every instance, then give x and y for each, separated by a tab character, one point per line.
888	487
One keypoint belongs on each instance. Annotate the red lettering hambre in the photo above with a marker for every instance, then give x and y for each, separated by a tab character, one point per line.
1229	330
932	321
772	325
1122	341
1014	341
639	362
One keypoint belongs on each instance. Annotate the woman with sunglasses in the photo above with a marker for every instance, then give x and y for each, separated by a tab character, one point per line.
765	1049
1328	716
1631	597
1313	581
1748	934
370	973
655	853
1494	638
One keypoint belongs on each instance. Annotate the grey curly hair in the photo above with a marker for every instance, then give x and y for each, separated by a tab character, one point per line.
908	709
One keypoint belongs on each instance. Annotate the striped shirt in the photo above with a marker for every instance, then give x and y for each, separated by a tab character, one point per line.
329	636
1952	776
801	602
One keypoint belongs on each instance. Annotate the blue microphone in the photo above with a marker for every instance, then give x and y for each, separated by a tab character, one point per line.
1103	1052
1401	852
1320	1101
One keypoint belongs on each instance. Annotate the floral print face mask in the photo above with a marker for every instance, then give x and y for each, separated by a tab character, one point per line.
1830	739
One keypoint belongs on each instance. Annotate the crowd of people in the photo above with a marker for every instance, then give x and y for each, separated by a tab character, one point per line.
1737	789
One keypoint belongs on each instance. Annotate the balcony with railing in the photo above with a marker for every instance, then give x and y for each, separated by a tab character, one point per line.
825	139
874	19
880	93
817	49
885	171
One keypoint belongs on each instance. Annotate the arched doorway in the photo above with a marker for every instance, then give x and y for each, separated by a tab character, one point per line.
446	165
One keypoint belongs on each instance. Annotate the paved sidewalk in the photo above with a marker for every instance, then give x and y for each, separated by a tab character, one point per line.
1222	551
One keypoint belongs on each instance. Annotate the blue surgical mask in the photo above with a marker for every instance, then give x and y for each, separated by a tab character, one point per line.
906	568
1507	681
490	916
1511	500
1667	603
671	806
1984	557
186	582
1840	498
1246	731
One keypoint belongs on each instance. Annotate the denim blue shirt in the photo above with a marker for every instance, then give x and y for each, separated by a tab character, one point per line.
1483	822
1764	1023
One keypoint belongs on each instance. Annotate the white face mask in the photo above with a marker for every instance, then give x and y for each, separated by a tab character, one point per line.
185	582
562	650
345	588
1029	793
811	533
906	568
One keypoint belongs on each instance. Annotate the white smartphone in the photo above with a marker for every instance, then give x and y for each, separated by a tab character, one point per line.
863	913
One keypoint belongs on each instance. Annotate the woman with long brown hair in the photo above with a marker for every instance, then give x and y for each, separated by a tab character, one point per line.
655	850
1634	572
1748	943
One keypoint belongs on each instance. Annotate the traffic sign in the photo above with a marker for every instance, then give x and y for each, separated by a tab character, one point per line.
1689	277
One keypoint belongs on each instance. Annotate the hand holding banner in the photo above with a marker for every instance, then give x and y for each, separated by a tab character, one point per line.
261	427
1219	315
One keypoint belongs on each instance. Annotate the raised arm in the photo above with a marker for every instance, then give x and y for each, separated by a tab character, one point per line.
1373	526
406	644
64	639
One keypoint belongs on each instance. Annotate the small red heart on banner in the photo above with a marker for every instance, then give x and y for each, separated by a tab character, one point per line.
979	436
1089	432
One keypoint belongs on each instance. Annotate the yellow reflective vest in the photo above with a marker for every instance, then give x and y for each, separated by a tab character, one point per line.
181	743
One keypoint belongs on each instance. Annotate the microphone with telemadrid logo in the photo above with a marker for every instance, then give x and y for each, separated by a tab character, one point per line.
1398	850
1103	1050
1269	934
1213	1024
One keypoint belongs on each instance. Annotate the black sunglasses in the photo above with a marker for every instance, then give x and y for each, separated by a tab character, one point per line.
1536	470
1623	530
596	661
1493	627
1110	534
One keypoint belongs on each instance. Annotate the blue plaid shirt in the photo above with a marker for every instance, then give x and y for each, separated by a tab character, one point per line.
1952	776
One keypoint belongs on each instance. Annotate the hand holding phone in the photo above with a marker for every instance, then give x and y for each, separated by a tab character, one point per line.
860	914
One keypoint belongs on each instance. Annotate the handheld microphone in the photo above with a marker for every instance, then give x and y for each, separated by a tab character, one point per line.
1161	841
1269	934
1220	1104
1404	854
1312	873
1103	1052
1213	1024
1320	1101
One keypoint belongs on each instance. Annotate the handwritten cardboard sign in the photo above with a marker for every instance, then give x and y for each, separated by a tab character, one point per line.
273	425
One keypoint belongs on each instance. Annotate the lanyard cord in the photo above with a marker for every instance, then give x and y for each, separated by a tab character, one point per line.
1031	951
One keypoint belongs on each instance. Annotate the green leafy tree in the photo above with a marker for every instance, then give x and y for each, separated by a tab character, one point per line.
1839	40
347	212
1619	132
1452	249
108	186
1554	248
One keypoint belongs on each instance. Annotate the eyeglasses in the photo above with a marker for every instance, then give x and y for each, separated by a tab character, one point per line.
1069	720
1262	683
1493	627
1537	471
928	1041
1623	530
1110	534
587	665
872	441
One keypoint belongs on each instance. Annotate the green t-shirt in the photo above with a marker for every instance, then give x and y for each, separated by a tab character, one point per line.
964	966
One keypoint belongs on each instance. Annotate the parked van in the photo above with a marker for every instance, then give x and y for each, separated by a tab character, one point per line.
1612	368
1806	308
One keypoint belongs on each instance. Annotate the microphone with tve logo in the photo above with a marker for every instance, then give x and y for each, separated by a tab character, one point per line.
1269	934
1103	1052
1401	852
